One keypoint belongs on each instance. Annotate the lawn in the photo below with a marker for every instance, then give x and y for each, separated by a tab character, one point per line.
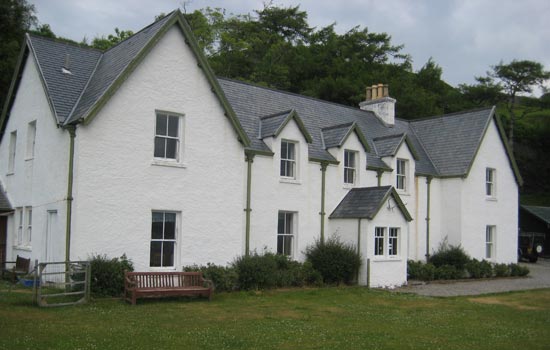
325	318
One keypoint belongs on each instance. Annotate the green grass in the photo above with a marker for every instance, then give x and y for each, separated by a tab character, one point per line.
325	318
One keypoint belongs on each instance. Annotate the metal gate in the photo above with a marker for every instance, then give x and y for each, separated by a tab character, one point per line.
62	283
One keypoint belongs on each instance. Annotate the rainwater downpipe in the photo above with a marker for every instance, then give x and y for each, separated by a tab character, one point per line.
428	182
72	133
358	243
379	177
249	157
322	213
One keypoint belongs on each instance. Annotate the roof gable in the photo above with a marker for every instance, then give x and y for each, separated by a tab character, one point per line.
389	145
272	125
336	136
366	202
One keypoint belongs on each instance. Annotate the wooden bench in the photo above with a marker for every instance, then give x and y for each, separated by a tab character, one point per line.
163	284
20	268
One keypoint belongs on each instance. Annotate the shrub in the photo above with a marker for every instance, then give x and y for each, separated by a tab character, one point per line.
450	255
256	271
108	274
447	272
417	270
518	270
337	262
479	269
501	270
224	278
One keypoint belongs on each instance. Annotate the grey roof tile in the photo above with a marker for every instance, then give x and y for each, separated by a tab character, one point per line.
543	213
63	89
271	123
4	201
334	136
388	145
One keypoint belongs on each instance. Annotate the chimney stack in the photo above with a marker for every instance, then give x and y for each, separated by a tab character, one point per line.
379	102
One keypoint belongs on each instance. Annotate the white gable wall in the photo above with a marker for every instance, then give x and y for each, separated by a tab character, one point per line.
478	210
117	186
40	182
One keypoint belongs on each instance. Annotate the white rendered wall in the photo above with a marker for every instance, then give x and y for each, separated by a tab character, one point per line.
40	181
117	186
478	210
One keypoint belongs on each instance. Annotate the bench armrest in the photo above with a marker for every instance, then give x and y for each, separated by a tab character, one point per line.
128	283
208	283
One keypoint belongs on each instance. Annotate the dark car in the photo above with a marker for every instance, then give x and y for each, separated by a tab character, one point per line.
530	245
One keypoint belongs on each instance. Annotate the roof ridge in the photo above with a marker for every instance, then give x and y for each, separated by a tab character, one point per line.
61	41
294	94
389	136
338	126
412	121
141	30
69	116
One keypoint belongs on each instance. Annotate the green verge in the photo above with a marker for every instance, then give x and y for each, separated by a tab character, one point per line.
323	318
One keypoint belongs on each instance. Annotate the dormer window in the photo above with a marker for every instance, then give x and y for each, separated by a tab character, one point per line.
350	167
288	159
401	172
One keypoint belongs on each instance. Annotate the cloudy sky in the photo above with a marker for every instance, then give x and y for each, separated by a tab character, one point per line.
465	37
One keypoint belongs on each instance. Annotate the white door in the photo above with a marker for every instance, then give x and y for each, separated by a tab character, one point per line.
52	241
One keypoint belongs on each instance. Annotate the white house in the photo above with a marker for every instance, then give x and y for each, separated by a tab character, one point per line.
142	150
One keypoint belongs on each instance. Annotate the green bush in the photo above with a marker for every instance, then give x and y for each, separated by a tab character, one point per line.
417	270
501	270
448	272
337	262
518	270
224	278
479	269
108	274
450	255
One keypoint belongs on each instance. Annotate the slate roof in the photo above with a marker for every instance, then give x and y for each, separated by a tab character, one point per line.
4	201
365	202
443	146
542	213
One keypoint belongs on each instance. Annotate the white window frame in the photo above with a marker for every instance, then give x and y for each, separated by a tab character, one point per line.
490	235
28	220
490	182
19	217
289	231
401	172
387	242
286	159
163	239
12	152
31	140
179	157
353	156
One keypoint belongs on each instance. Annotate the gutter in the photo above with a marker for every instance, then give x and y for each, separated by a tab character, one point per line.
249	157
322	213
72	132
428	182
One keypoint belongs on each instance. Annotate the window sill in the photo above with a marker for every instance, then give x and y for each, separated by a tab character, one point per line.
348	186
28	159
491	199
168	163
403	193
23	247
290	181
386	259
10	173
161	269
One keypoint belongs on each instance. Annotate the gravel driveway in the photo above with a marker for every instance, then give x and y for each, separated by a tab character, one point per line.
539	277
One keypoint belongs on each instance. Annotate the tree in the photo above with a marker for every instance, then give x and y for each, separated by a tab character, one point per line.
103	43
515	78
16	17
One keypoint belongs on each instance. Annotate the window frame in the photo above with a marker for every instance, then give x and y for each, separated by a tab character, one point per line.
19	221
292	161
28	221
180	149
287	235
401	164
387	243
31	140
12	152
351	169
490	235
490	182
164	240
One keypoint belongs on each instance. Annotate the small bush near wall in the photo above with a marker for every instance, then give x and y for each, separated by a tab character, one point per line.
517	270
223	277
450	255
108	274
479	269
501	270
337	262
418	270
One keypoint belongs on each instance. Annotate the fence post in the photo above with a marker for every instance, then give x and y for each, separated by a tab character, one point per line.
35	279
88	280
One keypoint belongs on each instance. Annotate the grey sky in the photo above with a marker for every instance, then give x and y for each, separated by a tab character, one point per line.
465	37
